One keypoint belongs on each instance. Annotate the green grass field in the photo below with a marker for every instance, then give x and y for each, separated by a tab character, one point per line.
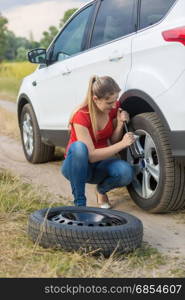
11	75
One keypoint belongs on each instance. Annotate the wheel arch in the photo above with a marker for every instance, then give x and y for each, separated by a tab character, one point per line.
22	101
136	102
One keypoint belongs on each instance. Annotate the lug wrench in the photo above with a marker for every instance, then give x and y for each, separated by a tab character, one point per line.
136	150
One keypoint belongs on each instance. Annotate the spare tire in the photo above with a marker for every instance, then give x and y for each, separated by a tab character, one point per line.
86	228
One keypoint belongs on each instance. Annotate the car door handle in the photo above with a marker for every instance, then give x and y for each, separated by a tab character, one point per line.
115	56
66	71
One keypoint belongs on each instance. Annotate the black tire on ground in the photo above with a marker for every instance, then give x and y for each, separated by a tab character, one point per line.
169	192
77	228
38	152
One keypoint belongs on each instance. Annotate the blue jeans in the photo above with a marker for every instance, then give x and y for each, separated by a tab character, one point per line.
107	174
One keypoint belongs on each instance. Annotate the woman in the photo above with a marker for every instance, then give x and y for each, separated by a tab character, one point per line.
96	136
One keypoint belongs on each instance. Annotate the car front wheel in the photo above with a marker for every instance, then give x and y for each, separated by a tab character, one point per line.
35	151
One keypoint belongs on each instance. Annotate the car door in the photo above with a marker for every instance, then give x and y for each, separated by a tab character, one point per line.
53	88
109	47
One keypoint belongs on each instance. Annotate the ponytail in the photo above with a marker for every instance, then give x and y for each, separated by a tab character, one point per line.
91	104
102	87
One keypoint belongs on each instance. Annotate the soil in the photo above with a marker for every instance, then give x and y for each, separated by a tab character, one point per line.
166	232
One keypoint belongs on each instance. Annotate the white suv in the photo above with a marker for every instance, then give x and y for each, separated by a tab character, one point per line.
141	44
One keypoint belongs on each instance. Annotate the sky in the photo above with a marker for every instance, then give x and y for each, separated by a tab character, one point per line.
35	16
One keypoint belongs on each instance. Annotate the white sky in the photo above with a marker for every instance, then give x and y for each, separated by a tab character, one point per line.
27	16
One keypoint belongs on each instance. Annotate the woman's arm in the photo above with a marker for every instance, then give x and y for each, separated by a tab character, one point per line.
118	124
95	155
118	132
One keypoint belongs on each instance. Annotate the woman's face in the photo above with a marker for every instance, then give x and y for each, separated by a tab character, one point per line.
106	105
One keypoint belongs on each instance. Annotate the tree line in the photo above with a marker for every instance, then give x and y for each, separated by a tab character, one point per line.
13	48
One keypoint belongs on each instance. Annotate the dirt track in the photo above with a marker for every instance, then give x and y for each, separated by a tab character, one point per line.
164	232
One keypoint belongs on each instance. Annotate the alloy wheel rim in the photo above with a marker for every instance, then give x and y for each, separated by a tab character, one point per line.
147	168
28	134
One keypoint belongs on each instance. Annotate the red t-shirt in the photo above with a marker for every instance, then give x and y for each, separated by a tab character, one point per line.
82	117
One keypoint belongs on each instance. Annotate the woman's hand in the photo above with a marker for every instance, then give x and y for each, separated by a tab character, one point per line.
122	116
128	139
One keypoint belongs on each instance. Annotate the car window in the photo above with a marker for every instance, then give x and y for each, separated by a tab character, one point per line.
153	11
115	19
70	40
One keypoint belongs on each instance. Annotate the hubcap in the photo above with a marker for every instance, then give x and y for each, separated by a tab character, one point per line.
28	134
147	170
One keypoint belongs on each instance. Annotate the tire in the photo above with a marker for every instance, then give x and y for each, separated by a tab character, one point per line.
77	229
159	184
35	151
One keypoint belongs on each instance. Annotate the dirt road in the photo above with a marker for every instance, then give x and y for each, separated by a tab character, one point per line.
164	232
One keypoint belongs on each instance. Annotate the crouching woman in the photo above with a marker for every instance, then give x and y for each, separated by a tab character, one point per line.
96	136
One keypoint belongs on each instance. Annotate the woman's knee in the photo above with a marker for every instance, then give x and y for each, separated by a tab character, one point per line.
129	174
125	172
78	149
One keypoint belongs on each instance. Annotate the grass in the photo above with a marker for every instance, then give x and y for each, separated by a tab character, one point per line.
11	75
9	124
19	257
9	88
179	216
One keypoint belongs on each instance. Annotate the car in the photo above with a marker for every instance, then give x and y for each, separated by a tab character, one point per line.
139	43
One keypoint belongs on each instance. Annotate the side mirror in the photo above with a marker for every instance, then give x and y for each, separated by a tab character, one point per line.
37	56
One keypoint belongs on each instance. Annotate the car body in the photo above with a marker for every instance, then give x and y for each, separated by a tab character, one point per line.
141	44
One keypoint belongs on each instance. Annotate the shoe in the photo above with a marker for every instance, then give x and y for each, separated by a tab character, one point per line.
105	205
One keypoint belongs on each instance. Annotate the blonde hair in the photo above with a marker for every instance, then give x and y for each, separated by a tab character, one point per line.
101	87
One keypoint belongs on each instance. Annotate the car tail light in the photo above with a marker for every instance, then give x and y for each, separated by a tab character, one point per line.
175	35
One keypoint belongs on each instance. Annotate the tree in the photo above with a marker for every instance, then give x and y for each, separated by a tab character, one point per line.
11	46
31	43
3	30
67	15
21	54
14	43
48	36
